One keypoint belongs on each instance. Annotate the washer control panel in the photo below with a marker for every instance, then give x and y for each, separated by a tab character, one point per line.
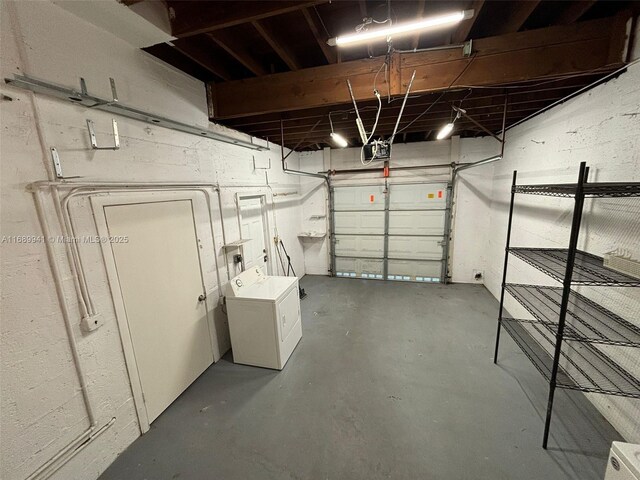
247	278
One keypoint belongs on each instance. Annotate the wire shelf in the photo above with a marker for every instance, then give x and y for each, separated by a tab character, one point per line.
602	189
589	370
586	320
588	269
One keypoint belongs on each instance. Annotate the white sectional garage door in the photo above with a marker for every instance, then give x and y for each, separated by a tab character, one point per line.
396	236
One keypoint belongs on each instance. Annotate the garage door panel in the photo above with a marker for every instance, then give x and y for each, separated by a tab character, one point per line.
423	248
359	223
359	198
407	248
359	246
359	268
417	223
418	196
420	271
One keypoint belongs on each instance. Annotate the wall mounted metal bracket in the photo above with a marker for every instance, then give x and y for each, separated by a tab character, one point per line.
94	141
114	93
113	106
56	162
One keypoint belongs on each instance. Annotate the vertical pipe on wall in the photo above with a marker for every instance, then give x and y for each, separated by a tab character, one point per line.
43	471
57	276
73	255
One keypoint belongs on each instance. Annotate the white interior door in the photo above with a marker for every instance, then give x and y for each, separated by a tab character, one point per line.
161	281
252	227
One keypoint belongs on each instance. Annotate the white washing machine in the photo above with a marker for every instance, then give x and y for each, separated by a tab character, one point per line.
624	462
264	318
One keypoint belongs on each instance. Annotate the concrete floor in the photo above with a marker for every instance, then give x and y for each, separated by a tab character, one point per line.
389	381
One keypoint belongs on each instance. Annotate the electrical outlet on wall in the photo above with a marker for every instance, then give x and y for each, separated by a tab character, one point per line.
478	276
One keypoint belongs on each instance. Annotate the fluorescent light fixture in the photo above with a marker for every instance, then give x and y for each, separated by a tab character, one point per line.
445	131
339	140
336	137
402	28
448	128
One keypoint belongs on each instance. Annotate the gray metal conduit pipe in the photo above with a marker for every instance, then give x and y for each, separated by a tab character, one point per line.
79	188
79	191
380	169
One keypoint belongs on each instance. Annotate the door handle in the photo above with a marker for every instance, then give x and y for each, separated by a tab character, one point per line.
202	297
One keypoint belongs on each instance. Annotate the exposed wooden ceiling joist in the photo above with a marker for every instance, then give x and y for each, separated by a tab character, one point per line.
516	18
238	51
320	36
461	34
573	11
419	13
536	54
198	52
192	17
280	47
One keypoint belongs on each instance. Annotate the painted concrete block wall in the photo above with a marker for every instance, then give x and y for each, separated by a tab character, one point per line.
471	196
471	213
601	127
42	406
315	212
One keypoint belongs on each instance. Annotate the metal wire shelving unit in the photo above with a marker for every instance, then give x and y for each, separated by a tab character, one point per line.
585	367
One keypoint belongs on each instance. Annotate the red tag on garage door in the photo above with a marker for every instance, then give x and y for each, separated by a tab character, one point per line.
439	193
371	198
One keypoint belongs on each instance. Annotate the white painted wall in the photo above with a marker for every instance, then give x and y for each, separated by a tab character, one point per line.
315	212
42	408
601	127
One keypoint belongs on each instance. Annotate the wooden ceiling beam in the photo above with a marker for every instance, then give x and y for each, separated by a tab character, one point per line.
573	11
280	47
507	59
328	52
237	50
464	29
518	16
192	17
197	52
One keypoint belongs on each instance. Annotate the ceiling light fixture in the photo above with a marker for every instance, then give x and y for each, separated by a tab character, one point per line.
339	140
336	137
448	128
402	28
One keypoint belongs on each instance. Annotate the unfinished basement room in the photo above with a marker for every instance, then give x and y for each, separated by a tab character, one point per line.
320	240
